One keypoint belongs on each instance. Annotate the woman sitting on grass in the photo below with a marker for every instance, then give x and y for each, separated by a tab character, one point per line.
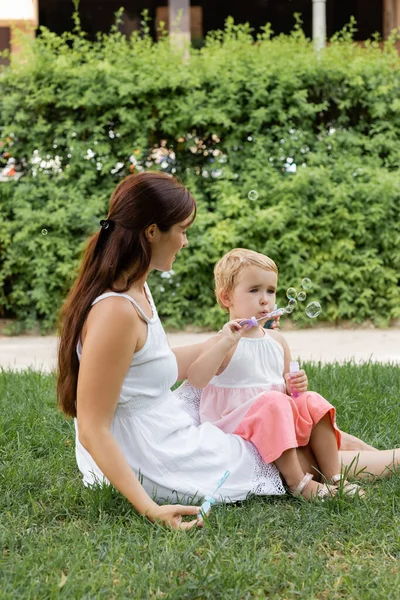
116	368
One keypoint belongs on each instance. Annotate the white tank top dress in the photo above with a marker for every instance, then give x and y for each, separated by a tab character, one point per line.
158	430
249	399
255	367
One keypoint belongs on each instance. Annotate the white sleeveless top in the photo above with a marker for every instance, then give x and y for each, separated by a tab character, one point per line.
158	433
255	367
140	384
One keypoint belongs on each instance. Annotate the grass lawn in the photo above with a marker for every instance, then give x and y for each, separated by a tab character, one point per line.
59	539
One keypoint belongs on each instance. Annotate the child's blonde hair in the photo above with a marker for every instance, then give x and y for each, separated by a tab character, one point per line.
231	264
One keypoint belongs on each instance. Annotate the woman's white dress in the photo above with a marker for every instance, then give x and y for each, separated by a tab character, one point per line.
159	433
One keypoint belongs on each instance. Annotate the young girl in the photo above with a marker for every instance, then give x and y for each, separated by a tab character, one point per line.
248	389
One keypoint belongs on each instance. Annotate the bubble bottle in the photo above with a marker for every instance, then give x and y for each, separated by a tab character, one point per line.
294	368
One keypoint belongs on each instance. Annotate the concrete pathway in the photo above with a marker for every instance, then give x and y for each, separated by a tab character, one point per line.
325	345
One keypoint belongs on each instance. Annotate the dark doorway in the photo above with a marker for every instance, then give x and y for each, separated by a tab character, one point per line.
5	43
257	12
369	17
96	15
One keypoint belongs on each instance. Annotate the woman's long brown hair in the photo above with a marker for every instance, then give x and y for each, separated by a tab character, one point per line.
139	201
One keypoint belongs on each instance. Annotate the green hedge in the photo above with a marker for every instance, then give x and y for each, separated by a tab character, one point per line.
78	116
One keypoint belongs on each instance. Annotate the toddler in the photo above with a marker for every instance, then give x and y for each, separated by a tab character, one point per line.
248	388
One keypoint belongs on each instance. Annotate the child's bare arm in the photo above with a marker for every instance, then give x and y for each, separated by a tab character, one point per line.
202	370
296	382
186	355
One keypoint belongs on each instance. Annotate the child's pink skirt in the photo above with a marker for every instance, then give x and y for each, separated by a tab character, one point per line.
276	422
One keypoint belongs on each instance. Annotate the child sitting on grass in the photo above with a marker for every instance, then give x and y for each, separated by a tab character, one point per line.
249	391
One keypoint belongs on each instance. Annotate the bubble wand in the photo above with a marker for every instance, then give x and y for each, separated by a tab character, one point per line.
253	322
209	500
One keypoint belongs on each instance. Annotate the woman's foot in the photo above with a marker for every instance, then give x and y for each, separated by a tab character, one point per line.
311	490
349	489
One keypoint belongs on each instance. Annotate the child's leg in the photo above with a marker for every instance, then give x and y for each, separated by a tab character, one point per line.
308	462
380	463
324	446
290	468
323	443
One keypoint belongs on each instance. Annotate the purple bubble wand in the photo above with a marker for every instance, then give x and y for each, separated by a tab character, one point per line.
253	322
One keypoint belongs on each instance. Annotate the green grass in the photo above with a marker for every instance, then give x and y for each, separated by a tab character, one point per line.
59	539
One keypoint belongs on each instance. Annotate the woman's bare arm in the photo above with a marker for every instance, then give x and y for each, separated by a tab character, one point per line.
111	339
112	336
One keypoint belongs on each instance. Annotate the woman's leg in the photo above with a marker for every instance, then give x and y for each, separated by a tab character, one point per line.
380	463
351	442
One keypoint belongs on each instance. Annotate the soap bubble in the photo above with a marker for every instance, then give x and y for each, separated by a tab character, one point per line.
44	232
306	283
291	305
291	293
313	310
253	195
301	296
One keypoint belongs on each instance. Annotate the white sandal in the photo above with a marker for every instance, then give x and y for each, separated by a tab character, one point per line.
349	489
323	492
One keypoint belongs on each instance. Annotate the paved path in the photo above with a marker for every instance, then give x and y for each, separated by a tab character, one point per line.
325	345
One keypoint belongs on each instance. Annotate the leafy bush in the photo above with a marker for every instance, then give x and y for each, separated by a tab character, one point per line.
316	136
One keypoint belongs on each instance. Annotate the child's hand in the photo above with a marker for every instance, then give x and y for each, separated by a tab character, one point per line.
233	331
275	323
297	382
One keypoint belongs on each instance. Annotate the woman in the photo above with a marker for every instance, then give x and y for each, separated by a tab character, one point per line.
116	369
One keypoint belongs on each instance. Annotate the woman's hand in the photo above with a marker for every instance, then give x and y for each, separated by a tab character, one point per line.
297	382
171	515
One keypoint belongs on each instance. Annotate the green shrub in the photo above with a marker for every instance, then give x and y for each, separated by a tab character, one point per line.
238	116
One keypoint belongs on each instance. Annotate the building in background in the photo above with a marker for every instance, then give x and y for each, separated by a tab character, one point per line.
16	15
197	16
